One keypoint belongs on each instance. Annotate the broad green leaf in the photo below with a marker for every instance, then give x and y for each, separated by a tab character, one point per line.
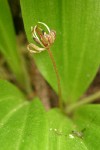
77	46
22	123
60	136
8	46
88	118
86	127
25	125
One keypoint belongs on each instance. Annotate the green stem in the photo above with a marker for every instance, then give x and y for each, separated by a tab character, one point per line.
86	100
58	78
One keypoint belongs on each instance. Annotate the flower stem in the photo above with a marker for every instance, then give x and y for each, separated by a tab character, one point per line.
86	100
58	78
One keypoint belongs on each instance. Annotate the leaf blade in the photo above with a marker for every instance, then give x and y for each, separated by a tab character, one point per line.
22	123
26	125
87	117
8	46
76	46
61	136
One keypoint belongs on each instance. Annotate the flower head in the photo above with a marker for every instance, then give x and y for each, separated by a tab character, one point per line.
41	37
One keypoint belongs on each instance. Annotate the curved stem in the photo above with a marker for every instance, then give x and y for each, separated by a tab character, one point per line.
86	100
58	78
